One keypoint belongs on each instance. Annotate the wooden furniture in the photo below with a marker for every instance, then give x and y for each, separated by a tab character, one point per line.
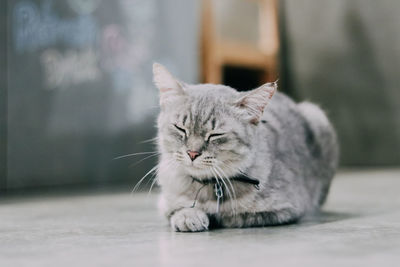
218	51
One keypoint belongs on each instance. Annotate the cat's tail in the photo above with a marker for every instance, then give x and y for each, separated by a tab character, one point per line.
325	144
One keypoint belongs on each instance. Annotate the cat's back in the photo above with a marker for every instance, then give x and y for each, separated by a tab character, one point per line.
302	124
302	134
304	142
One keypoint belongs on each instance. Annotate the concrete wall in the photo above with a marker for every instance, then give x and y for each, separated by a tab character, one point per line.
345	55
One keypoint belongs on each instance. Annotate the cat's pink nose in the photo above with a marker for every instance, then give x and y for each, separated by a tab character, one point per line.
193	154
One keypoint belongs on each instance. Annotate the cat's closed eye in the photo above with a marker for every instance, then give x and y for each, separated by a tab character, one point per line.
214	136
181	130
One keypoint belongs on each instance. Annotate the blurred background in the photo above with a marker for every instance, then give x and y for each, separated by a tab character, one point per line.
76	83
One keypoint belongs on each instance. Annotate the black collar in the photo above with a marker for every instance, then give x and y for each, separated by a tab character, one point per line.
238	178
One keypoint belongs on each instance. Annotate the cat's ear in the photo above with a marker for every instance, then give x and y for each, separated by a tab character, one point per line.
253	103
169	87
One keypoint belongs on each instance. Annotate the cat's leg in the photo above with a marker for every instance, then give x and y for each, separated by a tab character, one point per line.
266	218
181	213
189	220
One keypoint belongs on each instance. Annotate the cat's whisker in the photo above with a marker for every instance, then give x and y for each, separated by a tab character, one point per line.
155	174
230	183
136	163
233	199
153	177
149	140
215	174
233	206
168	163
234	170
218	175
136	154
151	186
144	177
178	156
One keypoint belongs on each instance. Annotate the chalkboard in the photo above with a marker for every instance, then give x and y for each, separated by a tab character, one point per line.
79	87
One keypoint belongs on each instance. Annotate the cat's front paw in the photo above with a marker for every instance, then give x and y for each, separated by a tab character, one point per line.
189	220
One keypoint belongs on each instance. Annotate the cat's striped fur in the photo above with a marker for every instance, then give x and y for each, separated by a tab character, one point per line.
290	148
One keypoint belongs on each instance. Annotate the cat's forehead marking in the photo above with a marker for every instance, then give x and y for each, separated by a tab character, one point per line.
201	114
210	115
184	119
205	117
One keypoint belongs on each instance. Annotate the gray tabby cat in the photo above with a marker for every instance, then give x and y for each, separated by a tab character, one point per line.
239	159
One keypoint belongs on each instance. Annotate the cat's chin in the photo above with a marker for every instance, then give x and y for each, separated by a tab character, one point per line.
198	172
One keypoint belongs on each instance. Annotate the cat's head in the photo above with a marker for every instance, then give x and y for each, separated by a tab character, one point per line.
206	129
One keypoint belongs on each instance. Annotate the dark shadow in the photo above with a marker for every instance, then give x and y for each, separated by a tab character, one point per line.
318	218
241	78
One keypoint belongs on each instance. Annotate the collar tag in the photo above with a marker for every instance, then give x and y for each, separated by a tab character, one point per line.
219	193
218	189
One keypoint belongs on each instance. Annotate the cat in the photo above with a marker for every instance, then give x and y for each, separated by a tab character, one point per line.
239	159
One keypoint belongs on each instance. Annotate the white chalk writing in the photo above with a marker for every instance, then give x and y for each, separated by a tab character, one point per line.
69	68
84	7
35	27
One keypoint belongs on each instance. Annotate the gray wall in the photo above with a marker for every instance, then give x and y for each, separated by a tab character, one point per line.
80	88
345	55
3	95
